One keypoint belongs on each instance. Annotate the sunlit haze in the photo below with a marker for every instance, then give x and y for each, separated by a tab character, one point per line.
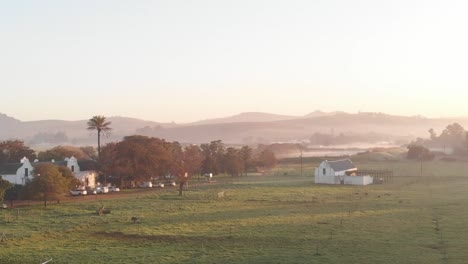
184	61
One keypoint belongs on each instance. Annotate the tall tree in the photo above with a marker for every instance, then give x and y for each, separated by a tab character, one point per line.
432	134
246	157
419	152
193	159
102	126
14	151
213	157
266	159
4	185
72	181
62	152
177	158
233	162
138	158
48	183
453	135
109	165
90	152
466	140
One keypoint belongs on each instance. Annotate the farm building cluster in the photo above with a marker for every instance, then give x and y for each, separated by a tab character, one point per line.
340	172
21	172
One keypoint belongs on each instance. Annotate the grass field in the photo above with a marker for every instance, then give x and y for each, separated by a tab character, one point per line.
277	218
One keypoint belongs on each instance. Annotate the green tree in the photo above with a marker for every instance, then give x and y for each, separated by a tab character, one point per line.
183	179
466	140
177	166
213	157
4	186
48	183
246	157
432	134
73	182
193	159
266	159
109	164
14	151
418	152
233	162
90	152
138	158
61	152
453	135
102	126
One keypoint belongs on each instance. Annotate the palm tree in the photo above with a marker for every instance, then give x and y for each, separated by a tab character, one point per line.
99	124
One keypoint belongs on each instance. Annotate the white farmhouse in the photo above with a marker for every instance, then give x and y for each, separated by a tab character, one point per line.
17	173
84	170
340	172
20	173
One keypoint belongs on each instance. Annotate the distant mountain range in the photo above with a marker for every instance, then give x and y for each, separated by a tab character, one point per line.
244	128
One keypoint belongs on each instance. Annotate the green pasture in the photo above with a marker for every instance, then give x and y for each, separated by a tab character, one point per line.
278	217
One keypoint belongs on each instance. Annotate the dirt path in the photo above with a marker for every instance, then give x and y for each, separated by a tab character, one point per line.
113	195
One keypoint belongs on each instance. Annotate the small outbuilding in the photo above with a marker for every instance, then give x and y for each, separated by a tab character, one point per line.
340	172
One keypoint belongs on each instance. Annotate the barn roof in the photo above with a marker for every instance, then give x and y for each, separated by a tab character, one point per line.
88	165
341	165
9	168
61	163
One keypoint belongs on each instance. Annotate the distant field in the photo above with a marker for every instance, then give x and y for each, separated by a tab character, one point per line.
280	217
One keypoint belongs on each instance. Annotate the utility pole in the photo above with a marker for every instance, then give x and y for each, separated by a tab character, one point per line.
301	162
421	168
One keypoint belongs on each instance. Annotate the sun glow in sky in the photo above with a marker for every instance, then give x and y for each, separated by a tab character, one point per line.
189	60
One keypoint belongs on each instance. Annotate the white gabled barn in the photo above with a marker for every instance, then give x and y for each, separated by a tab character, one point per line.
17	173
22	172
340	172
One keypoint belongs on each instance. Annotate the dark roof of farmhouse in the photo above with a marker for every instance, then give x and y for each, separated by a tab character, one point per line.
85	165
60	163
341	165
88	165
9	168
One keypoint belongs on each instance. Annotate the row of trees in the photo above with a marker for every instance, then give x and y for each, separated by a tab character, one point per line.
139	158
135	158
15	150
50	182
418	152
330	139
454	136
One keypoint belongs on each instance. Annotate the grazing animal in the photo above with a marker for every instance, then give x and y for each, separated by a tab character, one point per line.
135	219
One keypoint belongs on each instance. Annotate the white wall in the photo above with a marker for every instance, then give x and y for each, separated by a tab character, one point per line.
20	177
89	175
72	164
328	177
87	178
358	180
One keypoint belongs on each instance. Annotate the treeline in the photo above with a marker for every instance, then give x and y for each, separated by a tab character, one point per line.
139	158
135	158
12	151
454	137
324	139
49	138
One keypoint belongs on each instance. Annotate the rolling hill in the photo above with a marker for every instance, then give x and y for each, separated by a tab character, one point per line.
245	128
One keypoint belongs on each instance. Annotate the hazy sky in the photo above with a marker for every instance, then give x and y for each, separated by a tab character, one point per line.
187	60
